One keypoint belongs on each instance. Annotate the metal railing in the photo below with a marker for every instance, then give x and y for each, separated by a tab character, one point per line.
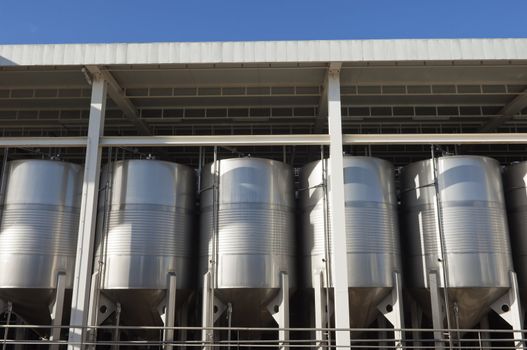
246	337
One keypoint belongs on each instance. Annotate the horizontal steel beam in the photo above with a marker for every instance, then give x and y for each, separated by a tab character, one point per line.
42	141
438	139
216	140
268	140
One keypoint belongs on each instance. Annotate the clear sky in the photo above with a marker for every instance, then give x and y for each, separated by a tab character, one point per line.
93	21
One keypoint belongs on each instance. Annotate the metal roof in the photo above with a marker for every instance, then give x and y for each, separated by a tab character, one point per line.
387	86
264	51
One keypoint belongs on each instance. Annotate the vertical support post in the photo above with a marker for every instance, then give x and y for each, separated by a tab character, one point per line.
170	311
183	321
437	309
93	307
57	310
508	307
392	309
90	193
417	317
336	203
320	309
7	323
382	334
279	309
212	309
484	326
20	335
116	331
207	335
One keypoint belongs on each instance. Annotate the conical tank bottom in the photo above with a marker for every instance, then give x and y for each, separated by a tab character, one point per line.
140	307
32	305
363	305
471	304
249	306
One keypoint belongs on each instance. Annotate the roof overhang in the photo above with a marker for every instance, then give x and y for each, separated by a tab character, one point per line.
264	52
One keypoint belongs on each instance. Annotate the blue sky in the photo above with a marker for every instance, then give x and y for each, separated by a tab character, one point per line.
75	21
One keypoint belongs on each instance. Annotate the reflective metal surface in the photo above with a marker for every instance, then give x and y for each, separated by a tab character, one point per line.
476	242
371	228
145	232
515	186
38	233
255	240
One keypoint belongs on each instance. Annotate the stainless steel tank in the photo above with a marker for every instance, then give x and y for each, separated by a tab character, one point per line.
38	234
371	230
255	236
144	233
477	253
515	185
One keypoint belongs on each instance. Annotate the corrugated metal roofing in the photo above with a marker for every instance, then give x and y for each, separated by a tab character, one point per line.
264	51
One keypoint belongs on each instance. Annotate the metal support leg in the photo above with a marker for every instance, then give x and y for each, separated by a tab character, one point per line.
116	332
382	335
8	322
508	307
170	312
57	310
320	309
392	309
211	311
279	309
90	193
417	319
206	317
183	321
437	309
20	335
99	307
485	336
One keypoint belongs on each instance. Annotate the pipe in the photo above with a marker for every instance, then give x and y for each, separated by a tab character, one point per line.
442	242
229	324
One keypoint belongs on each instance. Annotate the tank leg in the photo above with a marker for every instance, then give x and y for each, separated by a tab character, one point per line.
183	320
212	308
392	309
116	333
56	310
93	307
484	325
100	308
417	318
20	335
382	335
508	307
7	323
279	309
437	309
170	310
321	311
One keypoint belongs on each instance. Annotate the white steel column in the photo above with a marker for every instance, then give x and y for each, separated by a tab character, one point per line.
339	264
90	193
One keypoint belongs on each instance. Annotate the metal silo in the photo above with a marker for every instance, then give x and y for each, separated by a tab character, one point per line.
373	252
515	185
144	252
38	238
457	239
247	241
